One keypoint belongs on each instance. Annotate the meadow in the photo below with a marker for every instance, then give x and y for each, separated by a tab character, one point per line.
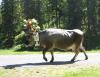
48	70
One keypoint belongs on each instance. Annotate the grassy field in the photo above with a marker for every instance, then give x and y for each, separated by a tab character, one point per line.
87	72
14	52
47	71
50	72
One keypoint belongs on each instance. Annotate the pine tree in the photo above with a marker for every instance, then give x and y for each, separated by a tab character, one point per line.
75	14
92	20
11	18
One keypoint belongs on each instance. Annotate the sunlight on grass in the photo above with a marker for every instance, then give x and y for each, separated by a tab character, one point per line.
14	52
96	50
90	72
50	72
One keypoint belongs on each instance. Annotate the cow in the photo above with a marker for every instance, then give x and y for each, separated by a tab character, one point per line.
60	38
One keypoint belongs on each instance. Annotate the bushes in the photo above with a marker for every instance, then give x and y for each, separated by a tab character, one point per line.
22	42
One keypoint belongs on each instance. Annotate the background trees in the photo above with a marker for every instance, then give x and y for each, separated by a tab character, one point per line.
68	14
11	21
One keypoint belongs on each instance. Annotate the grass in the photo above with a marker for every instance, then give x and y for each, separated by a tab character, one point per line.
96	50
89	72
14	52
47	71
50	72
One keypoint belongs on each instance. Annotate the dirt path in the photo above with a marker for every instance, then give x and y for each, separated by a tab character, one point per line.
12	61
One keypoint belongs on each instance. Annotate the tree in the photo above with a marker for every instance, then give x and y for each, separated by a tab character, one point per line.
74	14
92	20
32	9
11	18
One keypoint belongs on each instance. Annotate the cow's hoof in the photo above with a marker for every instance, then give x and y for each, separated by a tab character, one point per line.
86	58
45	59
72	60
51	61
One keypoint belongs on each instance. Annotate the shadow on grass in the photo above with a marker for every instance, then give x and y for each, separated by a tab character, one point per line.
38	64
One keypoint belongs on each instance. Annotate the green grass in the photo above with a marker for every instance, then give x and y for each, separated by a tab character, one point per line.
14	52
50	72
96	50
89	72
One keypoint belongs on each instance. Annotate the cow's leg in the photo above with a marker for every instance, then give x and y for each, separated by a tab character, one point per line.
48	48
44	52
83	50
52	57
76	53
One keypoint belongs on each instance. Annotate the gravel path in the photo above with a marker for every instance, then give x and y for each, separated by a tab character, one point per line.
35	60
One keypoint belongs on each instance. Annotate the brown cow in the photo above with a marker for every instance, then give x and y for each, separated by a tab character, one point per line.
59	38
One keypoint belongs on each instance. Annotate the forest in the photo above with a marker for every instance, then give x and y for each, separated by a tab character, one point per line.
64	14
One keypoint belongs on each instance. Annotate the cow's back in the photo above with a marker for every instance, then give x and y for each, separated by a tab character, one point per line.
58	38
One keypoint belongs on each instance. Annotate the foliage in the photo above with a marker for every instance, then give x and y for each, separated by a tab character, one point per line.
21	41
11	17
68	14
19	38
